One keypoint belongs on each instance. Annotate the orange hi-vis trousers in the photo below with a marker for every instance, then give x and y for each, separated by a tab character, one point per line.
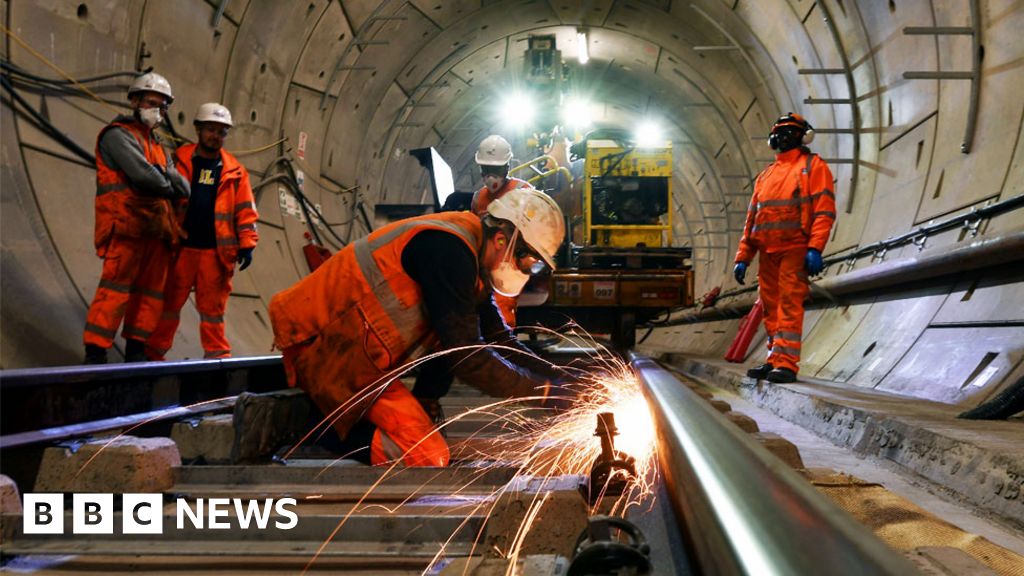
200	268
783	285
131	288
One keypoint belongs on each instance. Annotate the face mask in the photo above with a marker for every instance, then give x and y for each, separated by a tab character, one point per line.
493	182
149	116
507	279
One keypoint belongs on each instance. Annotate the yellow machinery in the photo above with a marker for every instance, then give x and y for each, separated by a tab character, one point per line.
620	268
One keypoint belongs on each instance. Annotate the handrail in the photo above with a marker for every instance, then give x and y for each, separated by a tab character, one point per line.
747	511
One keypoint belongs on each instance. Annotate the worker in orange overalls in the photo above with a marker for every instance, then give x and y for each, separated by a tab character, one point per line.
494	157
788	222
220	223
135	224
414	286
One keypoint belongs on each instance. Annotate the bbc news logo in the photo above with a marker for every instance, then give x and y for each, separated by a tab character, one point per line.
144	514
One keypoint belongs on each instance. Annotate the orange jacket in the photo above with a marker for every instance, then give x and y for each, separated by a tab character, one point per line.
234	218
122	209
792	206
360	315
483	196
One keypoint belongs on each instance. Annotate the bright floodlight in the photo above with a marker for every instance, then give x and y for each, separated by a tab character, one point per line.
648	134
518	110
577	113
581	47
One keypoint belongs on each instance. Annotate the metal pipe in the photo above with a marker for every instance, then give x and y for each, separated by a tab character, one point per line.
747	512
980	254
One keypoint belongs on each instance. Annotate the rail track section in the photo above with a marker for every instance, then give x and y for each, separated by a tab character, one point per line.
721	505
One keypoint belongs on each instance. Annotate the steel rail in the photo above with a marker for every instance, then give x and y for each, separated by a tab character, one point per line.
747	511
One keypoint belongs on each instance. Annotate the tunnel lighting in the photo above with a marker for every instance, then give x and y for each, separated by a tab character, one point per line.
582	52
577	113
648	134
518	110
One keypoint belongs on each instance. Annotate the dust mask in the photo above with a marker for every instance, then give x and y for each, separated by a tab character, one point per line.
149	116
493	182
506	278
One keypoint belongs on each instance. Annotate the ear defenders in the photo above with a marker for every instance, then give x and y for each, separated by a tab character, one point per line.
795	120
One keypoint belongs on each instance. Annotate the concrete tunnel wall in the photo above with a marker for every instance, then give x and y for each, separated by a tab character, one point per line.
359	83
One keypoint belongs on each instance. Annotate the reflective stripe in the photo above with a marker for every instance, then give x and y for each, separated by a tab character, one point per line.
244	205
114	286
405	319
220	216
786	350
149	293
823	193
131	331
782	202
391	449
211	319
791	336
783	225
102	189
831	215
100	330
232	241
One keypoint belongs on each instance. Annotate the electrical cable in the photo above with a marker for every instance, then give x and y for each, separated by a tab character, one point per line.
50	129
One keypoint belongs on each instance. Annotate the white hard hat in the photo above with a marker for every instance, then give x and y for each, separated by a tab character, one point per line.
152	82
494	151
537	217
213	112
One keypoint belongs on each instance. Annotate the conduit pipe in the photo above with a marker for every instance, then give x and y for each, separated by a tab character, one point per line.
744	510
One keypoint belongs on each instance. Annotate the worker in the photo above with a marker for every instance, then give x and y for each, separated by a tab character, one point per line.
788	223
419	284
494	157
220	226
135	225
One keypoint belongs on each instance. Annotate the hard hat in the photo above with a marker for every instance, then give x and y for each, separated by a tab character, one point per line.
537	217
152	82
494	151
797	121
213	112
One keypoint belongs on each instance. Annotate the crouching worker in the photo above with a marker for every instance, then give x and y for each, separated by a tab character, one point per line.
416	285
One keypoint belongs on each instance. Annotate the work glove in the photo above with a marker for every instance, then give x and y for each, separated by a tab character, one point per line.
244	258
740	272
813	262
560	394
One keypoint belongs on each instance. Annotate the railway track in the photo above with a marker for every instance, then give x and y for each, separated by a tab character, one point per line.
740	510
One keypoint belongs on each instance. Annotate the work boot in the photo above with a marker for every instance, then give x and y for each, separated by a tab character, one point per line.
760	372
432	406
135	351
782	376
95	354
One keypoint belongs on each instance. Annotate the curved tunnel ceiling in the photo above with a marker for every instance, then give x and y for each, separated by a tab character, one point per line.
356	84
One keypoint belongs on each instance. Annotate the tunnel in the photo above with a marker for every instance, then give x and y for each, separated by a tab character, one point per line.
916	107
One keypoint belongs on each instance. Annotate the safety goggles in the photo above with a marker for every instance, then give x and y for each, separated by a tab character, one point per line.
494	170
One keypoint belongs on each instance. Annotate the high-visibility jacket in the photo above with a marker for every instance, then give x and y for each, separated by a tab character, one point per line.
359	315
122	209
792	206
234	218
506	304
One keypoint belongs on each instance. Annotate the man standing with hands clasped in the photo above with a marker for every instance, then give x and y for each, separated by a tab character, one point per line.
788	223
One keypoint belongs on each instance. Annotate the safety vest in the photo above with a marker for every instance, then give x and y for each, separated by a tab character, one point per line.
792	206
483	196
362	296
122	210
234	209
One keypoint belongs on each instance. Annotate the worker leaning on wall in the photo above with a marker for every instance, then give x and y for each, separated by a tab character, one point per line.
788	223
416	285
219	220
135	224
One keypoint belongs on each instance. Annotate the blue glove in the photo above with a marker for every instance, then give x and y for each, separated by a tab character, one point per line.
244	258
813	262
740	271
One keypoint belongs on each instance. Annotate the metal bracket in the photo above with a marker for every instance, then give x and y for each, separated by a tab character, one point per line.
920	240
878	255
972	223
974	74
